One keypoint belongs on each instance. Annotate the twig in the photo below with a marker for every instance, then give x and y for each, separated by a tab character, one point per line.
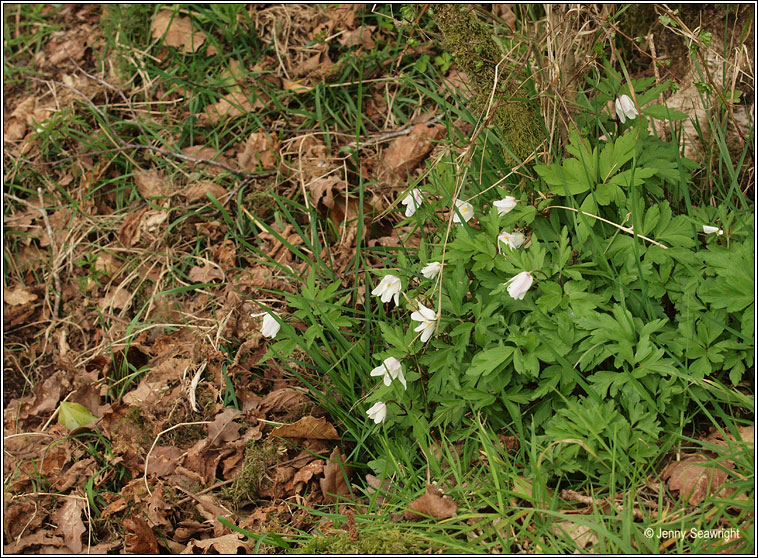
397	133
628	230
56	279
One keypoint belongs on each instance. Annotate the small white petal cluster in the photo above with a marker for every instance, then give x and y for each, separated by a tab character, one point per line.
465	209
708	229
518	285
388	288
390	369
427	319
625	108
431	270
412	202
378	412
512	240
505	205
270	326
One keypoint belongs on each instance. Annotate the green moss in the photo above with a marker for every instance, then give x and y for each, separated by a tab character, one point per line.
391	541
247	485
477	54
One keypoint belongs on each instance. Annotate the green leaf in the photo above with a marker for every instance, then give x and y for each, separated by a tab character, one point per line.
662	112
487	361
74	415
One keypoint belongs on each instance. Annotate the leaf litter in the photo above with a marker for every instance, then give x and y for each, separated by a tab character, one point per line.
172	463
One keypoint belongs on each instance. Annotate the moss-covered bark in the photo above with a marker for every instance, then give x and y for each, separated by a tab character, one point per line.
477	54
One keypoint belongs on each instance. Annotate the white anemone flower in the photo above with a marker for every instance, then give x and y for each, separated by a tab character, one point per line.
431	270
505	205
518	285
378	412
513	240
625	108
270	326
412	202
466	211
388	288
427	319
707	229
390	369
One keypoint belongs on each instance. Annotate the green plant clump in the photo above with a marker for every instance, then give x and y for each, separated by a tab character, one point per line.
590	323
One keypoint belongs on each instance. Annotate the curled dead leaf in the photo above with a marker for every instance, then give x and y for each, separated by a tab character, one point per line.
226	544
307	427
176	31
140	538
336	477
18	296
695	477
432	503
70	524
405	153
199	190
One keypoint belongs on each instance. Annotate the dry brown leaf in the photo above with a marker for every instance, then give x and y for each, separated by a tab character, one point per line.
231	105
139	538
406	152
129	232
505	12
70	524
336	477
150	184
259	149
306	473
307	427
223	428
582	535
117	298
177	31
164	460
44	542
694	478
19	295
295	86
205	274
359	37
283	400
200	189
432	503
107	263
323	189
226	544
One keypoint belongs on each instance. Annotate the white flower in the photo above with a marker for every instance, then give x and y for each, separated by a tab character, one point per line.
378	412
465	209
505	205
431	270
412	202
518	285
625	108
270	326
707	229
388	287
512	240
390	369
427	319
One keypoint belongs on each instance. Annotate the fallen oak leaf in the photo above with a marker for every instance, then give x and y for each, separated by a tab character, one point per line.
140	538
336	477
307	427
226	544
70	525
694	478
432	503
176	31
